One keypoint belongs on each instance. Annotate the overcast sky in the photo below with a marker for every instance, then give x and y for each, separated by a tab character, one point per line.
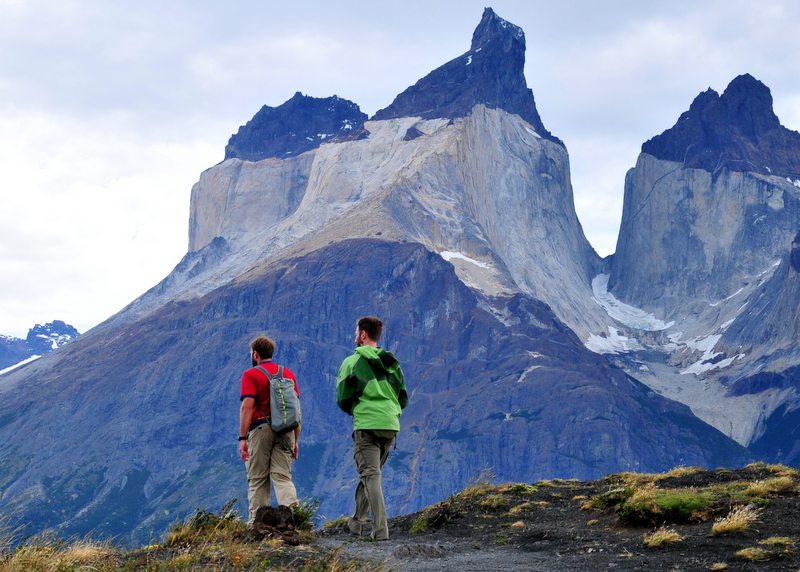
109	111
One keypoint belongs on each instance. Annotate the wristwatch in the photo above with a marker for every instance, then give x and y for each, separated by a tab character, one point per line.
242	438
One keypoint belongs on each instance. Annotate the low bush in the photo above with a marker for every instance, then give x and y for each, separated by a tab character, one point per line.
650	505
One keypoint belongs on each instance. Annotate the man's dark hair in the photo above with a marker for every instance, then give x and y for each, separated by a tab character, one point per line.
264	346
372	325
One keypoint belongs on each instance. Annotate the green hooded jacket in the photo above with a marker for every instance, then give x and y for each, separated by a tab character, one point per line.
370	387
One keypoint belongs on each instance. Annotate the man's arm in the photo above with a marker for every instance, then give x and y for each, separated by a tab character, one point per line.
402	394
245	416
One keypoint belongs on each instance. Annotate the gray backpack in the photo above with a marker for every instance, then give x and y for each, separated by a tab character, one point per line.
284	405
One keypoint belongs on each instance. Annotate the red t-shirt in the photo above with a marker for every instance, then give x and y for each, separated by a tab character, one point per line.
256	385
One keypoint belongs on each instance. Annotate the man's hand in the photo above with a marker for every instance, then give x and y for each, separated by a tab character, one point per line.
295	450
244	452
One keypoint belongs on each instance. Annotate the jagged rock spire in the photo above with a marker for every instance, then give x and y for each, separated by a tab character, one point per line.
737	130
491	73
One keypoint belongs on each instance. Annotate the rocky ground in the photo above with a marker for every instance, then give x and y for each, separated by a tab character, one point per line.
569	525
685	519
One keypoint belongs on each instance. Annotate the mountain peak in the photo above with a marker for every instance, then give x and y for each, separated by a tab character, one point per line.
737	130
298	125
747	103
492	28
490	73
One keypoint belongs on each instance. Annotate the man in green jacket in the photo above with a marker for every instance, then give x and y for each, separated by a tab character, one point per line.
370	387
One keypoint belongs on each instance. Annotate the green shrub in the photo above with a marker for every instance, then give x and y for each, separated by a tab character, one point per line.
305	513
669	505
521	488
204	524
493	502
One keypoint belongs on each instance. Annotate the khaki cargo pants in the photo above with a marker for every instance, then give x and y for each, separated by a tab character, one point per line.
370	451
270	458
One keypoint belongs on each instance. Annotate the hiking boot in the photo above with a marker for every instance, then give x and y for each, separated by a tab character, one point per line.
358	527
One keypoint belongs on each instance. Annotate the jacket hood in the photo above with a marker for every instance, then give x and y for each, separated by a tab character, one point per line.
380	359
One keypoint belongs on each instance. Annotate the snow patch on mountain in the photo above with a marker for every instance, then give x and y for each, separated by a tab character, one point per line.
628	315
448	255
614	343
20	364
482	276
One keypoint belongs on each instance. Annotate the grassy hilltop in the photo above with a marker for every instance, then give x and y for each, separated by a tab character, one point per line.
687	518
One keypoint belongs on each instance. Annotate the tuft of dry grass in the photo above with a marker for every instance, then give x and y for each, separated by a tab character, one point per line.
718	566
86	551
766	487
493	502
518	525
783	471
753	554
738	520
662	537
758	465
43	554
783	541
680	472
518	489
340	522
475	490
521	507
629	479
593	522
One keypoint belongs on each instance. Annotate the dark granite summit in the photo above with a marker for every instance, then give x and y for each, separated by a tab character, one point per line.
491	73
737	131
299	125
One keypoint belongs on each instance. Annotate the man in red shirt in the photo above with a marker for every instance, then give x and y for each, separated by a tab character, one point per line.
266	453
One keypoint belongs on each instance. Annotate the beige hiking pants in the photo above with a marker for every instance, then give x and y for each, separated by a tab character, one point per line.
370	450
270	458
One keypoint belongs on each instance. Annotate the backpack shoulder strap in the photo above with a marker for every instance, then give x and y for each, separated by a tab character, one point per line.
270	376
269	379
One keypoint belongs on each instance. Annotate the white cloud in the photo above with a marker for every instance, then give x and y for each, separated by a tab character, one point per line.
89	222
